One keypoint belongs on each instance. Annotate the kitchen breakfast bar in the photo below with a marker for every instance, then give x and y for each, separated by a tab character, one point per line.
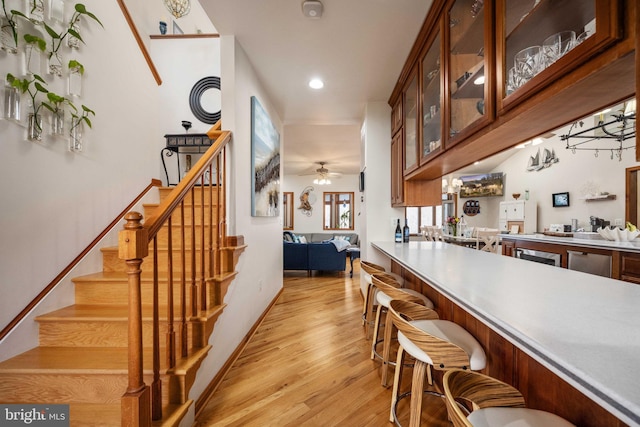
569	341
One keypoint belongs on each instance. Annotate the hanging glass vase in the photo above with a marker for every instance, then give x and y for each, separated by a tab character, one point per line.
75	137
34	127
35	11
72	41
55	64
32	58
75	81
8	39
57	122
11	103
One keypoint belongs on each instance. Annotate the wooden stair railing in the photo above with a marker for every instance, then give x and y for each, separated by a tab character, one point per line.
200	262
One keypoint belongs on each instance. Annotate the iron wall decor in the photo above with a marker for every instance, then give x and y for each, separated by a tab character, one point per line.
265	163
195	99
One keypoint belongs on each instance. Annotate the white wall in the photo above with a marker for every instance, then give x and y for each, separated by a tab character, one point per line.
313	224
378	217
54	202
260	268
574	173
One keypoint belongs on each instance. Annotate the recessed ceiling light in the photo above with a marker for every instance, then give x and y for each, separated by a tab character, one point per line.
479	81
536	141
602	112
476	163
316	84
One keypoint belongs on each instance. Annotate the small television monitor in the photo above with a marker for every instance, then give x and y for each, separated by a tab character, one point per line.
560	200
483	185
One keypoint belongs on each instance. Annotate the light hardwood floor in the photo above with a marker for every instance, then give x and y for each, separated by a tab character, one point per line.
308	365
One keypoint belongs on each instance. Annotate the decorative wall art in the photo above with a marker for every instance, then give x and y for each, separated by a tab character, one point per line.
484	185
537	163
198	106
306	200
265	163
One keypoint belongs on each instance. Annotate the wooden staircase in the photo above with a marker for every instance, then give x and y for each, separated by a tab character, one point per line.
88	352
82	357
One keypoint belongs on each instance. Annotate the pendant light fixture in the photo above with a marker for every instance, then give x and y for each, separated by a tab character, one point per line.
178	8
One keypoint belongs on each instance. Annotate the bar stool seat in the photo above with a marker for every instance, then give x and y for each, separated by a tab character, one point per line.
433	343
515	417
447	331
368	268
492	403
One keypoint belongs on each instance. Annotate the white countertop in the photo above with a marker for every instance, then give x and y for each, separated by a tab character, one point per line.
633	246
583	327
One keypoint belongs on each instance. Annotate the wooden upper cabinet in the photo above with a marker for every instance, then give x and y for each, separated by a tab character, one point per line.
470	66
396	116
431	111
539	41
397	179
410	123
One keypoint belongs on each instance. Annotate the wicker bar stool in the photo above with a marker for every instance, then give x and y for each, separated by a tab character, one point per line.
433	343
389	289
369	294
492	402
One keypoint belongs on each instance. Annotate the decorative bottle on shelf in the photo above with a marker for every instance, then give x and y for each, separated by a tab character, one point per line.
398	232
462	226
405	232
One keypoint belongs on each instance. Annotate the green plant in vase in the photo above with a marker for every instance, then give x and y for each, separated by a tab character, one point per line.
78	119
55	62
9	29
34	44
34	87
56	105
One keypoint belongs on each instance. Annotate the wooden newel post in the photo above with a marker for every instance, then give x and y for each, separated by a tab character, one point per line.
133	246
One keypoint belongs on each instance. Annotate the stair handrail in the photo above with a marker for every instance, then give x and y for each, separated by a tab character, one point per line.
142	403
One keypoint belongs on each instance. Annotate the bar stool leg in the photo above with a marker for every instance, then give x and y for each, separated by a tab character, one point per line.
370	310
386	349
417	390
397	376
365	305
376	329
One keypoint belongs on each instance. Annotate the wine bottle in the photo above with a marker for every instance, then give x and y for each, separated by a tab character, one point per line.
405	232
398	232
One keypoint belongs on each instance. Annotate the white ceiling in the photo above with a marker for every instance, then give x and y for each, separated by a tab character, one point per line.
358	48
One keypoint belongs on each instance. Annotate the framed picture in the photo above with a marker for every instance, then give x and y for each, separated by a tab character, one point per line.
560	200
177	29
265	163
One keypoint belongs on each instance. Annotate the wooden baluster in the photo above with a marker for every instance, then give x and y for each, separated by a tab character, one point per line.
203	284
133	246
194	288
210	216
156	386
183	286
171	334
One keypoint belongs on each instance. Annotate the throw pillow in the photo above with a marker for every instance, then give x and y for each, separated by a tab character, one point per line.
347	238
302	239
296	238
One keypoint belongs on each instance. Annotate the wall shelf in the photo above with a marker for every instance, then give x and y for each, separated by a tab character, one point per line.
599	198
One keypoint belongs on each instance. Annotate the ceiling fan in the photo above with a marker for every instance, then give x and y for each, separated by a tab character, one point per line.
323	174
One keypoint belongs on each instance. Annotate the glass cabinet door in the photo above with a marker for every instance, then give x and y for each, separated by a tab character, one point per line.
431	100
410	124
542	39
468	64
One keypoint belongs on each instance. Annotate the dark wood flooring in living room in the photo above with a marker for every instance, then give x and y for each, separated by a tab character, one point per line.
308	364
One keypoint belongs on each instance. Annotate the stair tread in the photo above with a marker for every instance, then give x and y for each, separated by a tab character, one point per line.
99	312
107	276
69	359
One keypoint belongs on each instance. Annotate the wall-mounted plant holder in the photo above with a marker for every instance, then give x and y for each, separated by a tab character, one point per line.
35	11
72	41
75	82
34	127
11	103
57	123
56	10
7	41
75	137
54	64
32	59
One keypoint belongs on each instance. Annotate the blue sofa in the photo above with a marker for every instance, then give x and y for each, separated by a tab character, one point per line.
320	256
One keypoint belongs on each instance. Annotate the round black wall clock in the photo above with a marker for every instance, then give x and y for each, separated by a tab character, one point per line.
195	99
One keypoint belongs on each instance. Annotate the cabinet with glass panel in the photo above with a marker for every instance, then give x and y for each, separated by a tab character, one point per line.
410	123
540	40
470	56
432	82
